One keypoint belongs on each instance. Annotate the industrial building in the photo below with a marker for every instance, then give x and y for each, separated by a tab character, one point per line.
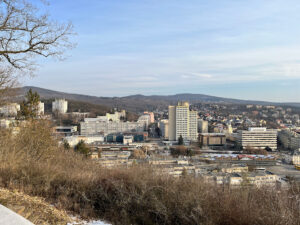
257	137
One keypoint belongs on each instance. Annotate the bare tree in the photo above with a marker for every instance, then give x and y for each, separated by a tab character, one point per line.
7	84
26	33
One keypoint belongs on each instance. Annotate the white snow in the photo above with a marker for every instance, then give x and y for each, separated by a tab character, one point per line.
95	222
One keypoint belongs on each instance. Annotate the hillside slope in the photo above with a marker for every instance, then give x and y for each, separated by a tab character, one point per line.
138	103
35	209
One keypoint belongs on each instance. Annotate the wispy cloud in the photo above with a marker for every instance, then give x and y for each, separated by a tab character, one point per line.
133	45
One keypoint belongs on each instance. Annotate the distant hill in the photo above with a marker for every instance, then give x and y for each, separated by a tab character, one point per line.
137	103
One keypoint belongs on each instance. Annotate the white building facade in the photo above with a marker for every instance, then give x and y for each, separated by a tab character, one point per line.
289	139
145	119
10	109
182	122
164	128
96	126
60	106
258	137
41	108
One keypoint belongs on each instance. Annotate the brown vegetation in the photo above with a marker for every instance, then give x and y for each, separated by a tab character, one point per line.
34	209
249	150
181	150
32	162
138	154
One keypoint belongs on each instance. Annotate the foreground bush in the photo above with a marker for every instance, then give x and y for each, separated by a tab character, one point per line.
33	162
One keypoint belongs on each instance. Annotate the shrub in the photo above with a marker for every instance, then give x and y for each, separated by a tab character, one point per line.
182	151
82	148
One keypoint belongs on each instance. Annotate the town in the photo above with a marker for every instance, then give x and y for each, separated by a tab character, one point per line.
224	144
149	112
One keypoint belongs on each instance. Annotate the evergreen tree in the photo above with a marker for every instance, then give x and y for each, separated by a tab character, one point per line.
180	140
82	148
66	145
30	106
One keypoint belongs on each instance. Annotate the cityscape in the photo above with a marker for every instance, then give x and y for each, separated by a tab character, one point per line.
205	141
141	112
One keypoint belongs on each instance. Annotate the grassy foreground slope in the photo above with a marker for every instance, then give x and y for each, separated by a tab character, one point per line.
34	209
32	161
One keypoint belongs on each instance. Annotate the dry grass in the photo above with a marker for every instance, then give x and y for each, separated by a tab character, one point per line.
35	209
33	163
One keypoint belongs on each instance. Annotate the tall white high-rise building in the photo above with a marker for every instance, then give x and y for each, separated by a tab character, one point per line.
60	106
182	122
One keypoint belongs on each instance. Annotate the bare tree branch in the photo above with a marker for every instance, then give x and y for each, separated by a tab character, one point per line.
25	34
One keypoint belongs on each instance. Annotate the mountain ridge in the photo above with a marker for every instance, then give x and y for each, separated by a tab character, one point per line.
141	102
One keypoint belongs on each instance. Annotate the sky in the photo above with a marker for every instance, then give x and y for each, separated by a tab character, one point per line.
246	49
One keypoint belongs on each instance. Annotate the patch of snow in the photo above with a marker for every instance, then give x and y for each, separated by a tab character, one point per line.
94	222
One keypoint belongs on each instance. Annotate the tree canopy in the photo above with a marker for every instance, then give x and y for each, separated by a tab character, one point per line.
30	106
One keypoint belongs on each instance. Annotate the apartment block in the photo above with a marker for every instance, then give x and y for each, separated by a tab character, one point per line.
60	106
258	137
202	126
10	109
182	122
96	126
164	127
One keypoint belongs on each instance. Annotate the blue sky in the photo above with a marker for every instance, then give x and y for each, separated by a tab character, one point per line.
246	49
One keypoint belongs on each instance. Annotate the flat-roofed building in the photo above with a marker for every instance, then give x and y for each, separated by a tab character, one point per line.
202	126
10	109
66	130
145	119
151	114
116	116
172	123
74	140
41	108
96	126
296	159
212	139
257	137
182	122
60	106
164	128
127	139
289	139
193	125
